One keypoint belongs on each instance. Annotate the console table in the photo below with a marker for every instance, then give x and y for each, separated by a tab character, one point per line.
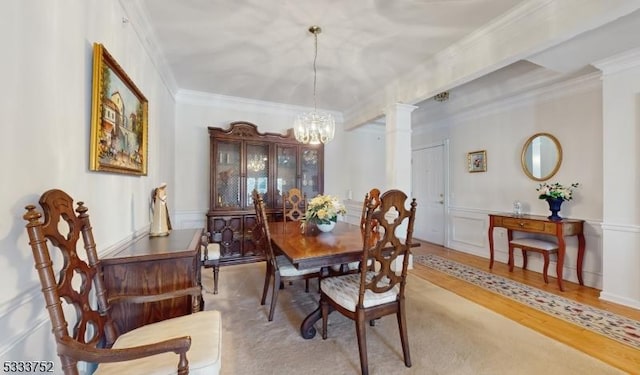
541	225
153	265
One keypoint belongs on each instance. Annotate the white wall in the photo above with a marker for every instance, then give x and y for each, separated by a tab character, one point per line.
196	111
365	152
571	111
45	104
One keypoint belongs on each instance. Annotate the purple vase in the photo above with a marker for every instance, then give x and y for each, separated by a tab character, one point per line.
554	207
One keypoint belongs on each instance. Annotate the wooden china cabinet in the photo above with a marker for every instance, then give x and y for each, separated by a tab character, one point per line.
241	159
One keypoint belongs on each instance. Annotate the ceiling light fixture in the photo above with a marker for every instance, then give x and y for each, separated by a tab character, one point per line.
314	127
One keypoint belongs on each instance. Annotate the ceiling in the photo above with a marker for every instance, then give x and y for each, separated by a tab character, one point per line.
262	49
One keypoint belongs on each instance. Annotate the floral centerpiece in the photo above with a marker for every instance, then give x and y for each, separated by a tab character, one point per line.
556	191
323	210
555	194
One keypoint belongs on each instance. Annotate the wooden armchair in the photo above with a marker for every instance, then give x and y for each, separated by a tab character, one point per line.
372	294
279	268
188	344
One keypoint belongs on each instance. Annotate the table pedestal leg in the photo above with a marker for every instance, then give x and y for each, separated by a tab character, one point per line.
307	330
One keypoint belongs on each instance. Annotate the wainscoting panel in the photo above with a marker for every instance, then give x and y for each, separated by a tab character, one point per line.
468	231
620	264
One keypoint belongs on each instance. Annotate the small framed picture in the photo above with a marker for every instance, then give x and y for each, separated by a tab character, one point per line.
477	161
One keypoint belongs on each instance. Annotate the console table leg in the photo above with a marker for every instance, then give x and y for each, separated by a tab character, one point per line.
560	266
581	246
490	243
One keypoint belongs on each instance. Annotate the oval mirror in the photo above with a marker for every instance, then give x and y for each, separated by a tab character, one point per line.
541	156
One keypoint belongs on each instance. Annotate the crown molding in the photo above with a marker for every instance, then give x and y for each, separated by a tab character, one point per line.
620	62
138	19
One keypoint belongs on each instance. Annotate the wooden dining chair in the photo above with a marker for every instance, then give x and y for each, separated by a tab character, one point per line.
210	258
279	269
372	197
294	205
372	294
294	208
72	277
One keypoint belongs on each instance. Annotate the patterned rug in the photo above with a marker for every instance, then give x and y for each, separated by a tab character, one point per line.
614	326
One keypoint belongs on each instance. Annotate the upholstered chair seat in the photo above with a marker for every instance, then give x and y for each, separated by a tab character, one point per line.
344	291
210	257
287	269
213	251
205	330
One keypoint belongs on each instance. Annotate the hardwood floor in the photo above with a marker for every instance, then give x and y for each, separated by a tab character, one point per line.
607	350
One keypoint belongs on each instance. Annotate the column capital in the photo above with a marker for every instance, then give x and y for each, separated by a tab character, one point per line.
400	107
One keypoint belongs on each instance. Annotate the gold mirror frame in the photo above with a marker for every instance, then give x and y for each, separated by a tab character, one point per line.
523	156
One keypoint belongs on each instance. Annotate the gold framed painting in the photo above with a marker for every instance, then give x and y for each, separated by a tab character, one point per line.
119	119
477	161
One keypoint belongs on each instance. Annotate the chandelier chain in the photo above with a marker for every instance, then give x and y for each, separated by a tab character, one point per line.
315	71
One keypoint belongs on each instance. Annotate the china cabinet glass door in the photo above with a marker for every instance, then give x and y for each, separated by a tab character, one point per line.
257	164
310	178
227	194
286	171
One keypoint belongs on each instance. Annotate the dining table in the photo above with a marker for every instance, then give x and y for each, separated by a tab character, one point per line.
310	248
305	246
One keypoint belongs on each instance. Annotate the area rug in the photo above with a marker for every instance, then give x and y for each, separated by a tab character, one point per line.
619	328
447	335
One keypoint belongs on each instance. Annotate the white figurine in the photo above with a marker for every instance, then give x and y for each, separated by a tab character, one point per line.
160	223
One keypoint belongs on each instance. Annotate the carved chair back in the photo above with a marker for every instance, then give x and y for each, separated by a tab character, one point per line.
294	205
260	233
76	278
385	247
372	197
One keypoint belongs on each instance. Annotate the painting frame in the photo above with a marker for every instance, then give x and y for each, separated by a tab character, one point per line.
119	119
477	161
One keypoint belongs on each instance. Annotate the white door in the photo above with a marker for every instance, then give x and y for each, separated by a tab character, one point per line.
428	189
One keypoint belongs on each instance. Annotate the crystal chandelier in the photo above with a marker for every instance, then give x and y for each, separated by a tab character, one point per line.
256	163
314	127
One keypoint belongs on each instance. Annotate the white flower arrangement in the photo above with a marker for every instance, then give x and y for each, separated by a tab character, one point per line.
556	191
324	209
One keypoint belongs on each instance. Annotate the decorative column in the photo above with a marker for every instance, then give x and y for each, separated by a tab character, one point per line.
398	155
620	219
398	146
